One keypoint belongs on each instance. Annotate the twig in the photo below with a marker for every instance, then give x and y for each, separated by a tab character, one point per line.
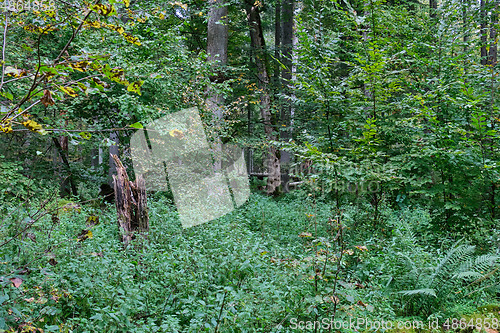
220	312
64	49
80	130
3	50
26	110
76	32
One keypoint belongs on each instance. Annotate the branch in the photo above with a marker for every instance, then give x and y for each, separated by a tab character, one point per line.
3	50
33	85
80	130
35	82
76	32
26	110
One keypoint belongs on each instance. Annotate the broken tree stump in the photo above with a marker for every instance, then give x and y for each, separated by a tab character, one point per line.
131	203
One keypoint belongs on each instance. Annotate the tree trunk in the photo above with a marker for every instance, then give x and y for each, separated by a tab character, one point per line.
62	148
483	31
492	54
286	110
433	8
113	150
217	40
261	62
131	202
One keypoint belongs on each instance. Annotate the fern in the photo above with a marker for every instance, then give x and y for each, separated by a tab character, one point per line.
424	291
457	275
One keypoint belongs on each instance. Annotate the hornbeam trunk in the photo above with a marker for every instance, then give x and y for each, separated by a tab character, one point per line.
270	121
131	203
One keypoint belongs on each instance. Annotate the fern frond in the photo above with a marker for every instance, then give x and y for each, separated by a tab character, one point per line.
423	291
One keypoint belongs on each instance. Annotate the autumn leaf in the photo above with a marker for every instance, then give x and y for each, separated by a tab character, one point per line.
117	75
11	71
69	91
93	24
103	9
131	39
116	28
135	87
6	128
180	4
85	234
37	29
92	220
16	281
85	135
80	66
47	98
32	125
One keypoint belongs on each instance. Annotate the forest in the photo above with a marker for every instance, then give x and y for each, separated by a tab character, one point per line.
249	166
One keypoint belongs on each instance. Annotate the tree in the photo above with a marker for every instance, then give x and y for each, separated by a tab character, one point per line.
288	8
217	41
262	66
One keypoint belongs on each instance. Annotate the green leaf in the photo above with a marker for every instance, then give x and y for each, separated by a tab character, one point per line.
85	135
136	125
424	291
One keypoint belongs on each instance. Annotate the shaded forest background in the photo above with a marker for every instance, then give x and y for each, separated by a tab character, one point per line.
370	132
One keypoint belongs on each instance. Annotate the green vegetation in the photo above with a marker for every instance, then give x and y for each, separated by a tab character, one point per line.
381	117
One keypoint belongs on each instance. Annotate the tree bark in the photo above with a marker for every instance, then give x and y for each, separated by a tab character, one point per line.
433	8
131	202
217	40
63	149
483	31
270	124
492	54
113	150
286	110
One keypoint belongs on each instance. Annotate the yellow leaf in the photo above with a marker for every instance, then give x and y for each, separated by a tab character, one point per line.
135	87
32	125
131	39
6	128
50	13
180	4
103	9
80	65
93	24
69	91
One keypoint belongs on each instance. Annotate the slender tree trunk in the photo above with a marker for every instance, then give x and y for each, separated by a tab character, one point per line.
277	45
484	54
465	24
94	158
492	53
113	150
63	149
217	40
492	61
286	110
261	61
433	8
